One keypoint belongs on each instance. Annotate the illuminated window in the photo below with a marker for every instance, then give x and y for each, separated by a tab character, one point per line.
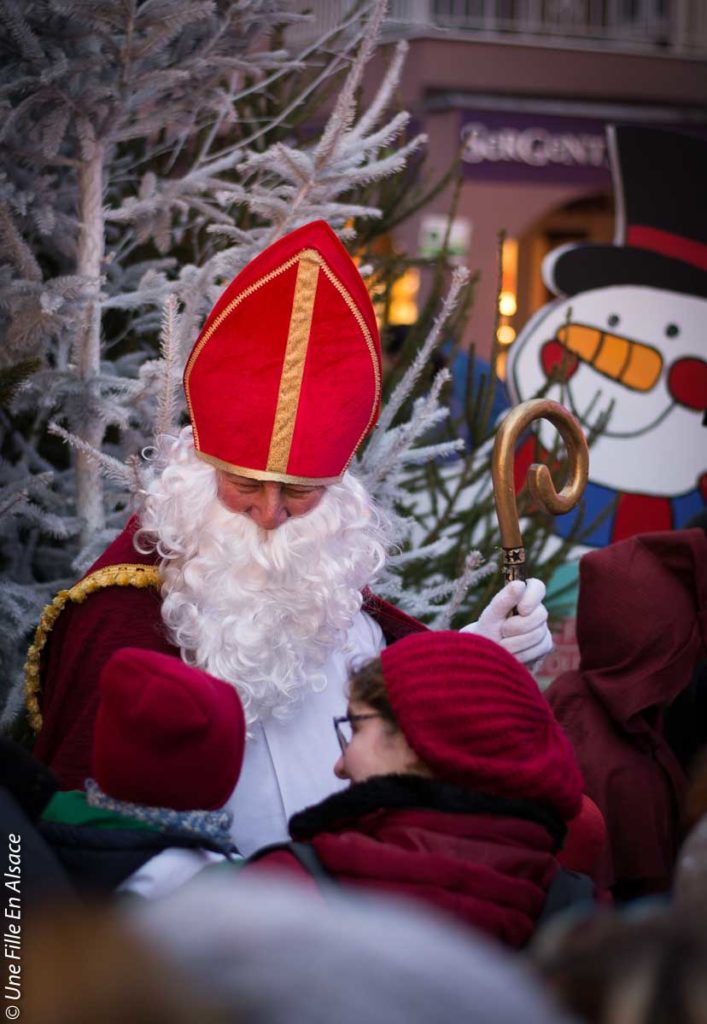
507	304
505	334
507	300
508	297
403	298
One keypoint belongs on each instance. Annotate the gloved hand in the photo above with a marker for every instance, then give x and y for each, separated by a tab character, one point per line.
524	634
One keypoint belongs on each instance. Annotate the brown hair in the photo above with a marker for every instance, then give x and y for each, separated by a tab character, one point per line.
367	686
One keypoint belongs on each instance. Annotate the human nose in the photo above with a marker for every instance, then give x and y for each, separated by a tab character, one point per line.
339	769
268	510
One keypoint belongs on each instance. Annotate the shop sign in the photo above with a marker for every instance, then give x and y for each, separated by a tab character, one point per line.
502	146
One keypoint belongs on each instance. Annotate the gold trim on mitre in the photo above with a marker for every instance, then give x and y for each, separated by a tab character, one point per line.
358	317
293	363
264	474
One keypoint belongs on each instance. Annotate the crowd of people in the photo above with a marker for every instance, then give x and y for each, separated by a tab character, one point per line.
258	791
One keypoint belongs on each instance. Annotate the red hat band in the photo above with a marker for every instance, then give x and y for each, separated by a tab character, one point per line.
667	243
284	380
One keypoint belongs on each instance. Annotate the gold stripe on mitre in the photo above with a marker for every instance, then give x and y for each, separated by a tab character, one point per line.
293	363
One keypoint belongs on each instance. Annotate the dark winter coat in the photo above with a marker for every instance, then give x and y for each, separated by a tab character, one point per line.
98	860
100	849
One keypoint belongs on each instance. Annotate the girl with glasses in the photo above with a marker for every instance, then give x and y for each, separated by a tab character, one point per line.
461	786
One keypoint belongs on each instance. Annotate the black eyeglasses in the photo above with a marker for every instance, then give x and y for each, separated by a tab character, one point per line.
343	730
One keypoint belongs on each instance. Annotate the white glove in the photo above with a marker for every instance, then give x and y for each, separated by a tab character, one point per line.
526	633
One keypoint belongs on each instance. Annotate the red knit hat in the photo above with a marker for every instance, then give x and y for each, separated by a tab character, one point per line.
476	717
284	380
167	734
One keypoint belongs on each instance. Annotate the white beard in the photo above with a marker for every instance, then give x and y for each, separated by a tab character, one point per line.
260	609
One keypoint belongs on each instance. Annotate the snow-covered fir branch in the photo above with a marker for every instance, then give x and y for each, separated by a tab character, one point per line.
385	468
474	571
112	468
393	447
402	392
168	399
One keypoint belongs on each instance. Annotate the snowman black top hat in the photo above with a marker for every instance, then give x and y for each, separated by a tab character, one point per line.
661	218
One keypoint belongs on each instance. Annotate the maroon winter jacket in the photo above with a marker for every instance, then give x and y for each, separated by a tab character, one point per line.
641	627
86	635
486	860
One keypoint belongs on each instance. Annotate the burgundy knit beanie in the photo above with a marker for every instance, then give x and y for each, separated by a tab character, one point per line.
476	717
167	734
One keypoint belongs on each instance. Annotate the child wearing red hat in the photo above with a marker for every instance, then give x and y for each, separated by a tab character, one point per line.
462	785
167	752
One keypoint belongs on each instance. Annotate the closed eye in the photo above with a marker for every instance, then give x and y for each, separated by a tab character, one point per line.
295	493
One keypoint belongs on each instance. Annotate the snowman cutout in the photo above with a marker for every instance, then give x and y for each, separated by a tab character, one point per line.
627	340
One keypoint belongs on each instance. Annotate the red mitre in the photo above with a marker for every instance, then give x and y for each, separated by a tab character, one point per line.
284	380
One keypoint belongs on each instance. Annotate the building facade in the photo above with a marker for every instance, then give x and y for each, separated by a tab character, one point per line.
519	92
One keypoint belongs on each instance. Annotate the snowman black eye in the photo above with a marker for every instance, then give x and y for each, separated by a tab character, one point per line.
613	320
672	331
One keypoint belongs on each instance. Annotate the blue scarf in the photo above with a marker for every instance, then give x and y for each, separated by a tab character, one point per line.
213	826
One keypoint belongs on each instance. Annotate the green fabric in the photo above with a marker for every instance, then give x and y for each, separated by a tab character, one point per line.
72	808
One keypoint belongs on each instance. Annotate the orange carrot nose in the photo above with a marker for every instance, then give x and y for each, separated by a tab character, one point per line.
631	363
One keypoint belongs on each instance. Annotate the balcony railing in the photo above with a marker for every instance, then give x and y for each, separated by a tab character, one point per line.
677	27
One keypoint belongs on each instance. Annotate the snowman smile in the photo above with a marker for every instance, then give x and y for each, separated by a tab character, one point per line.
603	405
624	364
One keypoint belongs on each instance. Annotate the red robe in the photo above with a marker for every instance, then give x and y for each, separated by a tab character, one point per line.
641	628
86	635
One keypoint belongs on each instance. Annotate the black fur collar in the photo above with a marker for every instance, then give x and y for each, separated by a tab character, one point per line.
408	791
